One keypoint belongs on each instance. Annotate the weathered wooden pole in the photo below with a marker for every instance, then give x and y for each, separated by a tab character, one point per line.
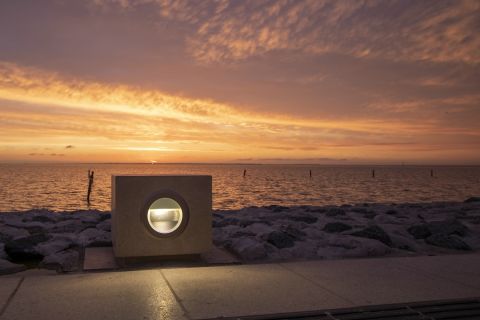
431	172
244	172
310	173
90	183
373	173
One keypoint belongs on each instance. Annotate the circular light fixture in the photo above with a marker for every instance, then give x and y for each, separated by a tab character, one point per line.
165	214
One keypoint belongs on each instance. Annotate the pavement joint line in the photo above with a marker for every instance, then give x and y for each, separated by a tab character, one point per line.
434	275
316	283
177	298
10	297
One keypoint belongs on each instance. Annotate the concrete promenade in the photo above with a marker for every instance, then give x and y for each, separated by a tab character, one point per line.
207	292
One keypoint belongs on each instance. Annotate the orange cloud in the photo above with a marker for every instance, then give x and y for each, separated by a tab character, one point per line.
122	123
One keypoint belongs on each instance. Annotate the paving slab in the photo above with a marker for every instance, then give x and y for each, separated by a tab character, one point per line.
461	268
379	281
114	295
7	287
247	290
99	258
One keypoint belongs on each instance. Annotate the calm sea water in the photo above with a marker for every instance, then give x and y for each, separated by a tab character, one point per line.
63	186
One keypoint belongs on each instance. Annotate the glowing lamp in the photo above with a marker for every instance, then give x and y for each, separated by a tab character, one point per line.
161	215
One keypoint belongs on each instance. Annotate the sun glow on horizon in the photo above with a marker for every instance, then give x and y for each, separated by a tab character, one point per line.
111	122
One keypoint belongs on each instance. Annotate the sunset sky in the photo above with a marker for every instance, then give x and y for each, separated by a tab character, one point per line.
328	82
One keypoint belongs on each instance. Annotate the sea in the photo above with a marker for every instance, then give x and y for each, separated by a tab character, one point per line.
63	187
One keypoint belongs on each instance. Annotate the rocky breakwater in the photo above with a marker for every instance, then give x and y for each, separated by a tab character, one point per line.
49	239
365	230
55	240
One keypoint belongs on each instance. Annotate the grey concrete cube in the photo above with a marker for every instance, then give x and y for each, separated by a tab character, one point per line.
161	215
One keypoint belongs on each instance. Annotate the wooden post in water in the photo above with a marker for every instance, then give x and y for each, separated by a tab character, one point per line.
431	172
373	173
310	173
90	183
244	172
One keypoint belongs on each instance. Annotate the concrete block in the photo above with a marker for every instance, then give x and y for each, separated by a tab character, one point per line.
161	215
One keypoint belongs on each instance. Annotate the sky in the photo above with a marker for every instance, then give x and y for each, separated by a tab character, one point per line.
253	81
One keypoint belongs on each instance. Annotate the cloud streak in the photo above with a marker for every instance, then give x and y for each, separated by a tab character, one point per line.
126	123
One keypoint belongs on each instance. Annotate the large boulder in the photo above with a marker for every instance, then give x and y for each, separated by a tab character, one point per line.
280	239
447	241
63	261
294	232
3	254
333	212
7	267
335	227
72	226
105	225
448	227
225	222
32	226
94	237
374	232
248	249
22	249
303	218
420	231
52	246
8	233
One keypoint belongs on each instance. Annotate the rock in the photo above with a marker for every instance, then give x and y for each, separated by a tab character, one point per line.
295	233
100	243
303	218
217	216
391	212
7	267
41	218
93	235
360	210
52	246
105	225
335	227
105	216
246	223
420	231
8	233
71	226
448	227
63	261
248	249
374	232
447	241
32	226
22	249
241	233
225	222
280	239
3	254
472	199
335	212
370	215
351	247
277	208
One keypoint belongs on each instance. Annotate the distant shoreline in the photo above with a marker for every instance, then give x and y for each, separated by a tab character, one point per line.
242	163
